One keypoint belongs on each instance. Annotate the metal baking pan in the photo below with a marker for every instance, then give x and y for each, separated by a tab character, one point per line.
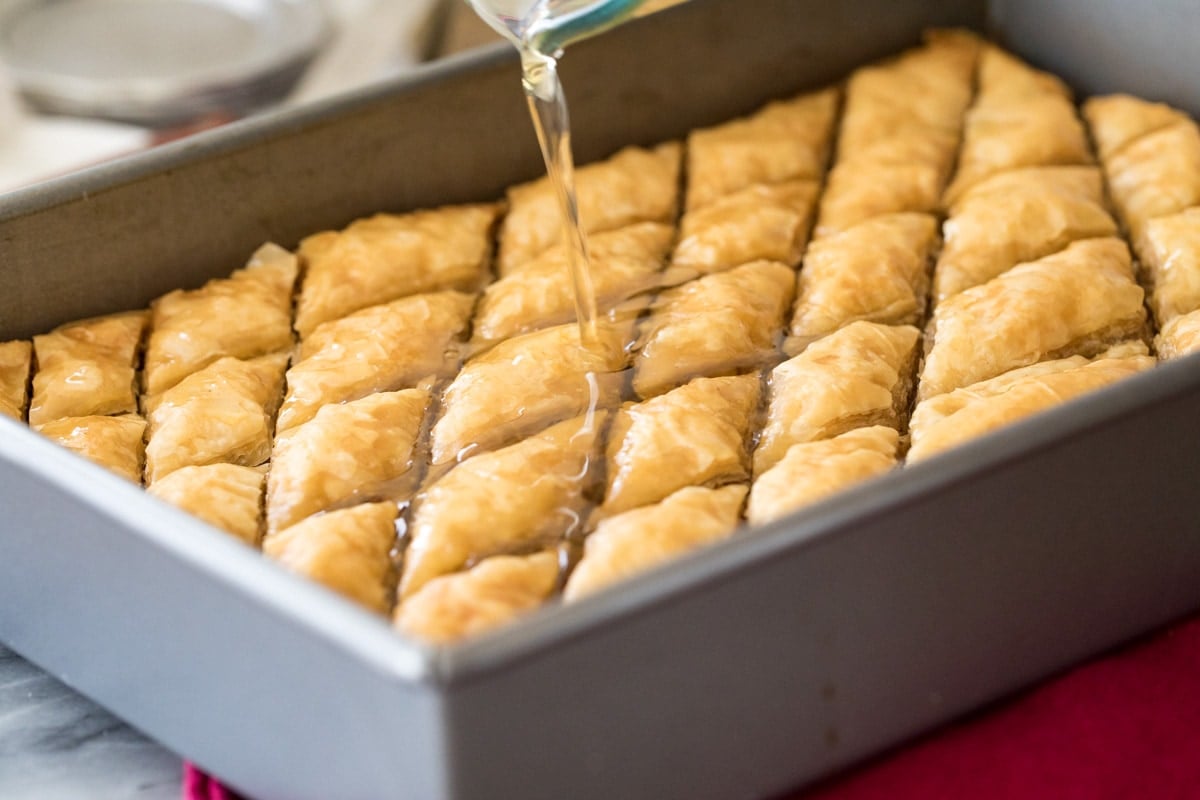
739	672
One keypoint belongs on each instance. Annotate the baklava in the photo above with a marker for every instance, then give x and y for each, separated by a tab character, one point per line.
430	433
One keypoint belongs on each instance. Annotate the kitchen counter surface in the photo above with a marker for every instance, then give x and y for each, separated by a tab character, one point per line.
58	745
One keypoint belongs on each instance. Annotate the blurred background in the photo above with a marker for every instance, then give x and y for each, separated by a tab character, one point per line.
82	81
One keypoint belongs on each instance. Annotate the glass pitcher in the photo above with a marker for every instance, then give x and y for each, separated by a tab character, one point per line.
547	26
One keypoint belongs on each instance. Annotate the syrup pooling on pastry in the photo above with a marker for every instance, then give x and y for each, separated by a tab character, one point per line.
527	383
694	435
114	443
347	453
529	494
625	263
858	376
87	368
719	324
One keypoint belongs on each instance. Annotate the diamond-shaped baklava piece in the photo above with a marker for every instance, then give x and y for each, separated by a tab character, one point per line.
87	368
783	141
396	345
812	471
348	452
222	413
757	223
348	551
226	496
1076	302
1017	216
1151	155
1119	119
1179	337
523	496
246	315
720	324
895	177
491	594
634	185
696	434
861	375
950	419
389	256
526	384
877	271
1171	256
647	537
1021	118
16	359
899	133
623	263
922	90
114	443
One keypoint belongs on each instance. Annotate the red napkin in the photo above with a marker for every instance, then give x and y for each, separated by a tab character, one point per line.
1126	725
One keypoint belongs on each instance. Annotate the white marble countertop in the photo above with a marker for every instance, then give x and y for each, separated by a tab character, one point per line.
57	745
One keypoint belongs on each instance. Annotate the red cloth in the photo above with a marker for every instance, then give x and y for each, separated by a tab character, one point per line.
1126	725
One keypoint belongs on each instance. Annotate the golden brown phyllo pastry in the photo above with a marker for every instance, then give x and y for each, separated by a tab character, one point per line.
16	360
644	538
114	443
716	325
226	496
486	596
635	185
388	256
624	263
691	436
347	453
246	315
812	471
222	413
946	420
347	550
397	345
1179	337
899	133
1077	302
451	451
784	141
530	494
861	375
1021	118
87	368
876	271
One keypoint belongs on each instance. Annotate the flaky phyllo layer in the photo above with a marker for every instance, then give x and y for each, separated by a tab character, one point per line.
791	303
